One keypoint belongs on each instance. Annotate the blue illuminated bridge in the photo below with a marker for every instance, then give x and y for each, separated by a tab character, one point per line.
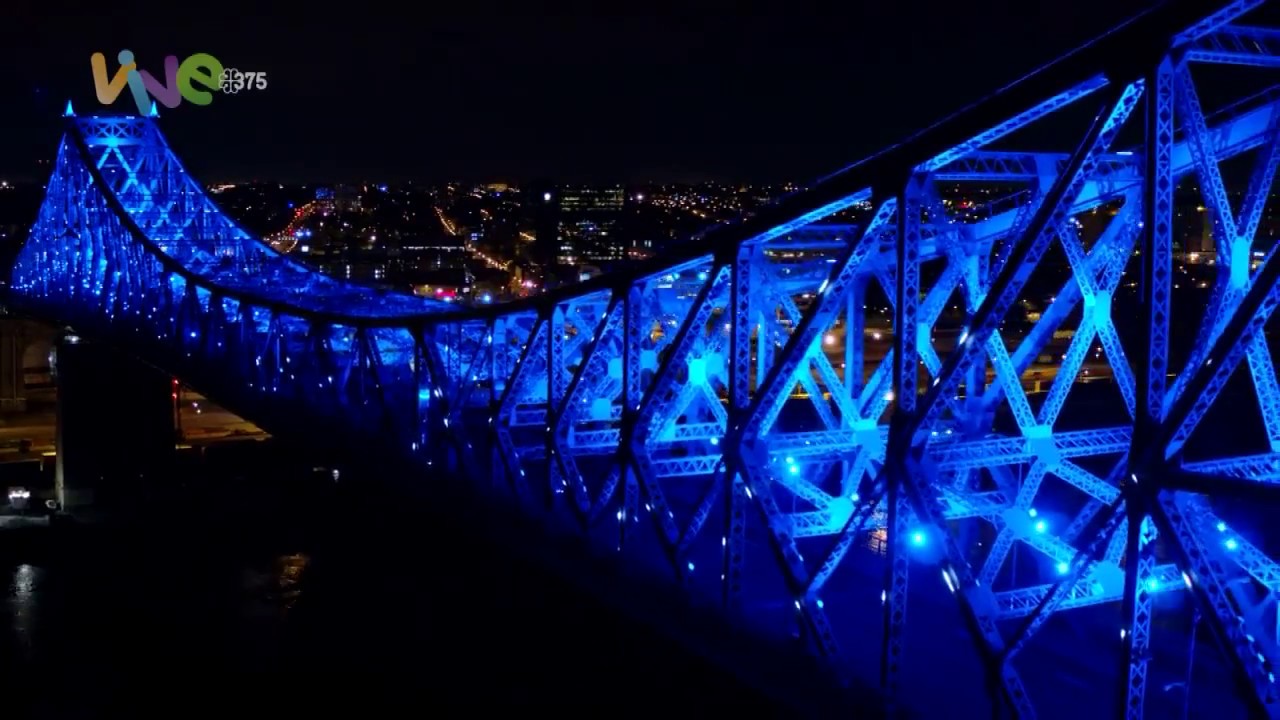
1042	481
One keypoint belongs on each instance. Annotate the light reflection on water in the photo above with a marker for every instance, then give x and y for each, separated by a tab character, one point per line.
271	587
289	573
361	606
22	601
39	603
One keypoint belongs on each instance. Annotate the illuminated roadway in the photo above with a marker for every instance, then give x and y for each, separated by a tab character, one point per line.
286	240
201	423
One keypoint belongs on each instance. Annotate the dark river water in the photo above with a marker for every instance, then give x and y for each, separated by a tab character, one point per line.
248	595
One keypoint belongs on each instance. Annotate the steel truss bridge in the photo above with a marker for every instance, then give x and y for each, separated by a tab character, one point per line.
725	422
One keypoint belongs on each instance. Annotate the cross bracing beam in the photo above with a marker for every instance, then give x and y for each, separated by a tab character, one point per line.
733	416
1238	45
1085	593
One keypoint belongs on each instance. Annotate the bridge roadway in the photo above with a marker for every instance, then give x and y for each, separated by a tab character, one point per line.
38	427
683	416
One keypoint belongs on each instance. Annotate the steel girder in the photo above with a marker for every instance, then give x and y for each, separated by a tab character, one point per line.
798	420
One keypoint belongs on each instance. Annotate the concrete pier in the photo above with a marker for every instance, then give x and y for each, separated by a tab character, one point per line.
115	425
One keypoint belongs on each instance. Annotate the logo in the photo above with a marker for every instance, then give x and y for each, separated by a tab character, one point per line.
194	80
233	81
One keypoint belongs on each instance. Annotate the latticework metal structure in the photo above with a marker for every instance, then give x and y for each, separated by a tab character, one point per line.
845	396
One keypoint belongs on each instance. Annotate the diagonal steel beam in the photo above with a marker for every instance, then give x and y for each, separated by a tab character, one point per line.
1027	251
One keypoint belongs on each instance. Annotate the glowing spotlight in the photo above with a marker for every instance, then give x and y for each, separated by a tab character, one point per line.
1231	544
1041	526
917	538
1063	568
1152	584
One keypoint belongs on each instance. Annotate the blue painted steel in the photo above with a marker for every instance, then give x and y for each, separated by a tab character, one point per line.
823	406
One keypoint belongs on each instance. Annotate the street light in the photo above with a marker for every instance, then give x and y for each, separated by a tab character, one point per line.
177	409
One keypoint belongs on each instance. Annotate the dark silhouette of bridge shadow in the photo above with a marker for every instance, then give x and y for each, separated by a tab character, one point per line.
399	607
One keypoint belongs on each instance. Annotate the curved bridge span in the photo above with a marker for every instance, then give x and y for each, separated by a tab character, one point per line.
990	389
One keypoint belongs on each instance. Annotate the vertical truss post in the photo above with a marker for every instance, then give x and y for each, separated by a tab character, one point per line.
555	391
432	406
1135	634
497	369
741	284
422	385
453	363
905	390
1152	356
632	395
907	289
1152	359
497	358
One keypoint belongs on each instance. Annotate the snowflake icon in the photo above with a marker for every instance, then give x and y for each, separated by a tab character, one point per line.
232	81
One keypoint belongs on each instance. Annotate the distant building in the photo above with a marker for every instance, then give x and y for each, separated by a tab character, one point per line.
588	226
574	225
541	210
1206	244
346	199
324	199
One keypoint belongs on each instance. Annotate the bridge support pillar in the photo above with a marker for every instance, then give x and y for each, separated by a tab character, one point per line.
115	426
12	375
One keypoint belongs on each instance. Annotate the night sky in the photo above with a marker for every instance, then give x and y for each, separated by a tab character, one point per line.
637	93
